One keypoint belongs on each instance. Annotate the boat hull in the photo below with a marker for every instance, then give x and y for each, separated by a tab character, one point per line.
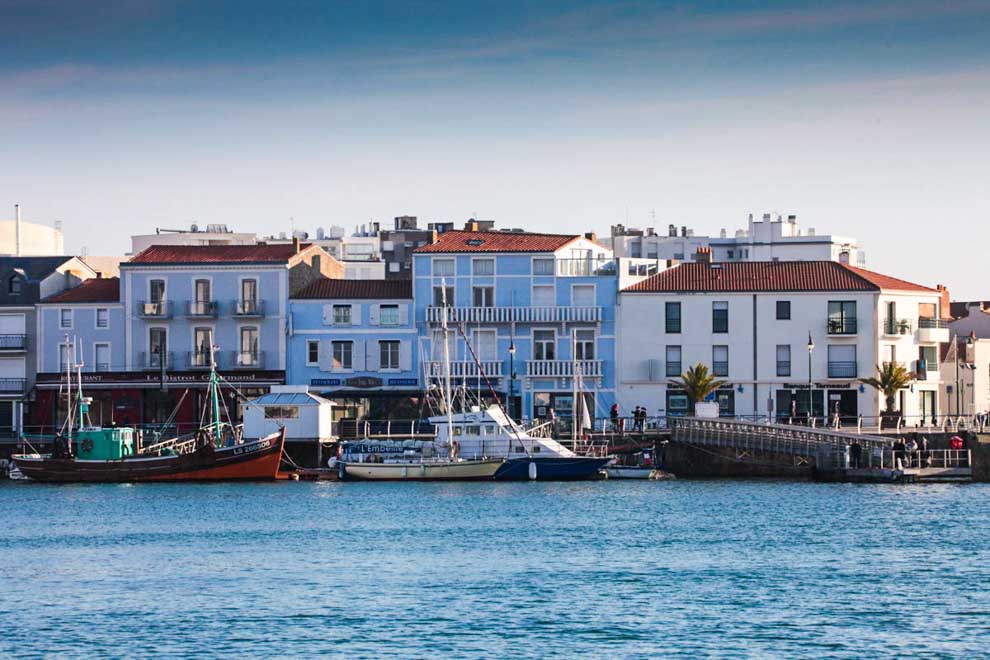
257	460
628	472
422	471
555	468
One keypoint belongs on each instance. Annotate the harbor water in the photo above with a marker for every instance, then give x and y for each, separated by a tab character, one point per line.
682	568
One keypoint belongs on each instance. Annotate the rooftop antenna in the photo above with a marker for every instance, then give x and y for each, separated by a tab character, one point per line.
17	230
653	219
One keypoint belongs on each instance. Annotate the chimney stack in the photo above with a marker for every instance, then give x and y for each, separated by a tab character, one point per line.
945	310
471	225
17	230
591	236
703	255
296	245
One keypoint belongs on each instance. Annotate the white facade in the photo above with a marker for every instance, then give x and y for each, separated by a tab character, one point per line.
966	377
764	358
195	235
774	238
305	416
360	252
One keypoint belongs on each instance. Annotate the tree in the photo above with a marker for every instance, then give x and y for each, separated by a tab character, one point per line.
697	383
891	378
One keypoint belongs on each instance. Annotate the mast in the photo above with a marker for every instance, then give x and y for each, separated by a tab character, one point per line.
575	391
214	392
446	361
68	390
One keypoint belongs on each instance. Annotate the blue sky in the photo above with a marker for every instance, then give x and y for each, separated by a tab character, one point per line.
866	119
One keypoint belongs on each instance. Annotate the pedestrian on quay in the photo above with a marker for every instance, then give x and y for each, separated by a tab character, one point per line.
855	452
613	414
911	448
899	453
924	455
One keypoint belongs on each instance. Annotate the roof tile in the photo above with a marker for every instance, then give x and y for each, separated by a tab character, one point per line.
96	289
346	289
497	241
199	254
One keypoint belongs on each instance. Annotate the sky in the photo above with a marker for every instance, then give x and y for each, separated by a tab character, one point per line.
866	119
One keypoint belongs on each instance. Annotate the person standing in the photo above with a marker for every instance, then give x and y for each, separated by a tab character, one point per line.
613	414
911	449
855	451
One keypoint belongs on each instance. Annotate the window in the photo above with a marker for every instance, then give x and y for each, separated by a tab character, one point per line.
841	317
157	348
583	295
484	296
342	354
63	357
314	263
249	347
783	359
388	352
443	296
585	344
312	352
544	345
730	254
720	360
202	290
672	318
65	318
202	347
673	360
842	361
543	296
483	267
783	310
927	360
249	296
156	291
720	317
101	357
102	317
281	412
388	315
443	267
341	314
14	285
485	344
543	266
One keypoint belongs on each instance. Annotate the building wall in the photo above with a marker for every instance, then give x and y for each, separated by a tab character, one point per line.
83	332
304	272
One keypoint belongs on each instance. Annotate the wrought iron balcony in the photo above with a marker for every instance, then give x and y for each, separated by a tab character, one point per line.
894	326
564	368
720	369
842	369
198	359
156	360
12	385
201	309
472	315
932	331
155	309
842	326
246	308
13	342
247	360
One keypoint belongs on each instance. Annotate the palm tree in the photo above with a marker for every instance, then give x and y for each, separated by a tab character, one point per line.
697	383
891	378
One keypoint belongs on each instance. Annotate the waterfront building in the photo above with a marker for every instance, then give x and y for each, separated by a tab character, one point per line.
533	306
354	342
773	238
175	304
750	324
23	282
965	365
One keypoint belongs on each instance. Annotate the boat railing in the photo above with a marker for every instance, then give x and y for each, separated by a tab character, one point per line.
381	429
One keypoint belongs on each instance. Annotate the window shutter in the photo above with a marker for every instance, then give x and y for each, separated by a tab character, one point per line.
405	355
328	315
373	313
403	314
325	355
355	314
357	357
373	358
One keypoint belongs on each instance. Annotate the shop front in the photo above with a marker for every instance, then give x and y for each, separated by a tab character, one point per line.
796	401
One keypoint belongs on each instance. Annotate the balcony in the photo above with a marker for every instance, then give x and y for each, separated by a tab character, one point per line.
720	369
12	385
783	367
248	308
247	359
892	327
197	360
13	343
160	309
842	369
472	315
926	370
673	369
201	309
932	331
841	326
564	368
155	361
586	267
465	369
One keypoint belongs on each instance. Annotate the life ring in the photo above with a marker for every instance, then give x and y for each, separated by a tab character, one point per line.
86	445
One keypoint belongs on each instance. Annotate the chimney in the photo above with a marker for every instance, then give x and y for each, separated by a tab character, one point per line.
591	236
471	225
703	255
296	245
944	306
17	230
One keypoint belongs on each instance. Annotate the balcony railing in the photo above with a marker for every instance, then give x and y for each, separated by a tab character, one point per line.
472	315
783	367
198	359
892	326
926	322
161	309
246	308
465	369
201	308
156	360
586	267
563	368
841	326
13	342
842	369
12	385
247	360
673	369
720	368
932	330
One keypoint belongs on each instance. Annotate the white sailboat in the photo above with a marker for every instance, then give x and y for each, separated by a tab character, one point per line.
416	460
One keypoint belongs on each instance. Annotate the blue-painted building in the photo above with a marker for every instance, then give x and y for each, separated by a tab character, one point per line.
533	307
354	341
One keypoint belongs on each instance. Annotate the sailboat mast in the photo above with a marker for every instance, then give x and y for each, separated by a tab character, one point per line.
446	361
214	392
574	388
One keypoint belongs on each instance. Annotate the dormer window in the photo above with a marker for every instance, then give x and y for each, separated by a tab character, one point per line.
14	285
475	242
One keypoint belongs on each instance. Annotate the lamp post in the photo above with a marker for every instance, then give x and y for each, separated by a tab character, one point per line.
512	374
811	347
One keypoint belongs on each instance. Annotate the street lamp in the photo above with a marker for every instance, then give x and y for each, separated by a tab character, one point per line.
512	374
811	347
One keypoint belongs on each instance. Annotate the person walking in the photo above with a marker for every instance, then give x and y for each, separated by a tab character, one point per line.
911	449
613	414
855	452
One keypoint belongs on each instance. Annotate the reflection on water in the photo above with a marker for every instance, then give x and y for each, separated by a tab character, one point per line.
496	569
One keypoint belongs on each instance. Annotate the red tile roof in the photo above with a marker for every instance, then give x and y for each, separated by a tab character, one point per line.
756	276
345	289
215	254
497	241
93	290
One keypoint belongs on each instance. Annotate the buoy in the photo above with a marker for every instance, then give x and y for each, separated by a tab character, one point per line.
532	471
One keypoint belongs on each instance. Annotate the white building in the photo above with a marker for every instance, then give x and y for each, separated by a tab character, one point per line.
966	375
360	252
774	238
750	323
29	239
213	234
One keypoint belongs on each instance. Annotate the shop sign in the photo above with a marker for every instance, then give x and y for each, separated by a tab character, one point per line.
363	382
403	382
